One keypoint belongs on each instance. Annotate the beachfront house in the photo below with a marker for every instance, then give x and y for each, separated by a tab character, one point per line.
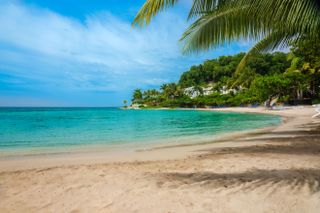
194	92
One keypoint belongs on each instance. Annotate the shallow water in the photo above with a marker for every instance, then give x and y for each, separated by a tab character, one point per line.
50	128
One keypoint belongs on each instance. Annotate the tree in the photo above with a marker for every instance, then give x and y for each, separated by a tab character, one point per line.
151	97
267	76
243	79
265	88
308	50
170	91
125	103
274	23
137	96
298	84
305	58
222	70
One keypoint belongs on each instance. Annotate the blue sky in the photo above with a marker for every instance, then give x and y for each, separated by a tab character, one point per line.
85	53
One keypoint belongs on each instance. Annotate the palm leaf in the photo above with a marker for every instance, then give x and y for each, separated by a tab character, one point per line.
150	9
222	26
289	13
274	40
274	23
199	7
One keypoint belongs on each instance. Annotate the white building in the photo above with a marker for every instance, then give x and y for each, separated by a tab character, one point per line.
207	90
224	90
192	92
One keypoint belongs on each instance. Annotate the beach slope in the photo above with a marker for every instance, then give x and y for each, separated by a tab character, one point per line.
272	170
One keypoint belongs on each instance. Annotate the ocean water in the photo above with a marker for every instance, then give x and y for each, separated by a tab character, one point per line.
36	129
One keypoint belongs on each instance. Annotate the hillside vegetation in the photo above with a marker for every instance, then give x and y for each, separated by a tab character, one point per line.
290	78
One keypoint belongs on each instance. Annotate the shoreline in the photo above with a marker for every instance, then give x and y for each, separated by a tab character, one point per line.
69	149
270	170
101	154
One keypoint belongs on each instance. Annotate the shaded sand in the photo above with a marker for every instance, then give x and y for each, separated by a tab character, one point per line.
270	170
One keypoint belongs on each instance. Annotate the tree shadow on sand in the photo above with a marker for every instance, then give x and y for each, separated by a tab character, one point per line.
247	181
299	147
298	142
301	142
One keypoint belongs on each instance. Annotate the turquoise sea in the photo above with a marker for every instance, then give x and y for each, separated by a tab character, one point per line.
36	129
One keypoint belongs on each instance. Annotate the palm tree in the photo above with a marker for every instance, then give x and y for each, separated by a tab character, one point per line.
163	87
125	103
137	96
151	96
273	23
170	91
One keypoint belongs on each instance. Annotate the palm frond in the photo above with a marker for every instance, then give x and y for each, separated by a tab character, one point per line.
272	12
276	13
150	9
274	23
274	40
199	7
222	26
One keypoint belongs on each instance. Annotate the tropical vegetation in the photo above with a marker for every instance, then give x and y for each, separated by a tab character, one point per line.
291	78
271	23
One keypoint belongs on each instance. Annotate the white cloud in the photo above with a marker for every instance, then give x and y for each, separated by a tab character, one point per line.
102	40
103	53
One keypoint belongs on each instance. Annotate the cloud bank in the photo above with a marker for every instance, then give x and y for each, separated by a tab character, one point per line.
47	56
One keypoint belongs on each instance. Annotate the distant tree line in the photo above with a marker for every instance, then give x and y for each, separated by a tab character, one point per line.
292	77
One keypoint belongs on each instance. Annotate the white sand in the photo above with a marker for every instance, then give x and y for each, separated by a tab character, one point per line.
271	170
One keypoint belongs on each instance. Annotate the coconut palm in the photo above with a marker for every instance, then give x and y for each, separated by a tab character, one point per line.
170	91
137	96
272	23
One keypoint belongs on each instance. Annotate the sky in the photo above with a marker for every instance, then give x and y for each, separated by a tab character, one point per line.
86	53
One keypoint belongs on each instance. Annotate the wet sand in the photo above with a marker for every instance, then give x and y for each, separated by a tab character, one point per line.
275	169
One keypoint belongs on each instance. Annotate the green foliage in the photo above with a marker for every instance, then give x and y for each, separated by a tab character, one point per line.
170	91
125	103
288	77
137	96
273	23
267	87
308	51
220	100
222	70
305	56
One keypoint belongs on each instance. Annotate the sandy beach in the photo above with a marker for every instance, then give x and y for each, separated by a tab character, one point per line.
275	169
